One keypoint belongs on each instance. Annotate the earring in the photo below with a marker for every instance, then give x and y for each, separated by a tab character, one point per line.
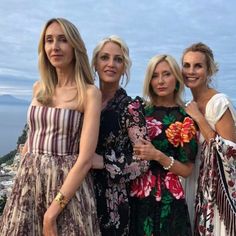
177	86
122	79
95	75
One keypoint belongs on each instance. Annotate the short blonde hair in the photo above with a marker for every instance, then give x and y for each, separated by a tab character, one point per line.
124	48
82	72
148	93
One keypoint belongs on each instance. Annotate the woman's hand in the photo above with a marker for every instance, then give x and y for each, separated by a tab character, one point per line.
192	109
146	151
49	222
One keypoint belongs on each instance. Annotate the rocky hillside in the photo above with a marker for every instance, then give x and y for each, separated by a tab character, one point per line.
8	168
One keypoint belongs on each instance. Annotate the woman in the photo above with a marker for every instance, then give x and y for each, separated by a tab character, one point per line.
122	125
215	207
53	194
158	202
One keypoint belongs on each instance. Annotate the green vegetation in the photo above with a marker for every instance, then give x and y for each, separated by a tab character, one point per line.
3	200
9	157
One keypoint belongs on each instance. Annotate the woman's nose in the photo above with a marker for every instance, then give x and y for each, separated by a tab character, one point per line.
191	70
55	45
160	79
111	62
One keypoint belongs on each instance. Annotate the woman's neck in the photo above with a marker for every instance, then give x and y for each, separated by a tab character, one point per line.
108	91
65	77
165	102
203	95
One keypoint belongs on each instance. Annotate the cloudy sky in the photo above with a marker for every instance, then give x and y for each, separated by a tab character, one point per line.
148	27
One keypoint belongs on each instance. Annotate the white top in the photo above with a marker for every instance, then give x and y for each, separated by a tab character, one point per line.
215	109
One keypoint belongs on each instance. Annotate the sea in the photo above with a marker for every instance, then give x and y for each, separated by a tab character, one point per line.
12	122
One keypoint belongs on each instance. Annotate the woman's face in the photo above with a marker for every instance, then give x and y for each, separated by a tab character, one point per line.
194	69
163	81
59	52
110	63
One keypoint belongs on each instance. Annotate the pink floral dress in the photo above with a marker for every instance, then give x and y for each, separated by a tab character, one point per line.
158	204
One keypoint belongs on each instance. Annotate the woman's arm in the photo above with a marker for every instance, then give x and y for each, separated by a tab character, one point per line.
147	151
225	127
135	125
118	163
88	142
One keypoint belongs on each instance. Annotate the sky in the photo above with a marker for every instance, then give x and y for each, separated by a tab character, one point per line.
148	27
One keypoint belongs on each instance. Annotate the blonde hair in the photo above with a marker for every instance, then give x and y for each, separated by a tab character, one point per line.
212	66
82	72
148	93
124	48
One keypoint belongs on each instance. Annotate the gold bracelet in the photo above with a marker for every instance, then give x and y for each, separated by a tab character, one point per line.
61	199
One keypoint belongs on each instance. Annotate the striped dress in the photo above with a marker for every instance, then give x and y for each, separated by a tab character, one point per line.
53	147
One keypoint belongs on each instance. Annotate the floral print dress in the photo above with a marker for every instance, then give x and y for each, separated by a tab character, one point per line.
158	202
122	125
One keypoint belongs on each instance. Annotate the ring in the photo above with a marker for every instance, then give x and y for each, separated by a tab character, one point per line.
187	103
137	152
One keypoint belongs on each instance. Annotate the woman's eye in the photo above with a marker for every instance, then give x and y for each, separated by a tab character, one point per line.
198	66
63	39
48	40
119	59
185	65
104	57
154	76
166	74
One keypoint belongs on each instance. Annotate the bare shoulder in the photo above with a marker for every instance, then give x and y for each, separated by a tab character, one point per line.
93	92
36	87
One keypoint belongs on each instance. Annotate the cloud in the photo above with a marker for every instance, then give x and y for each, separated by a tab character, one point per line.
148	27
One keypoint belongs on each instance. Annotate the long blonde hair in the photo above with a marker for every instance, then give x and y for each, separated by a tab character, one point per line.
148	93
124	48
82	72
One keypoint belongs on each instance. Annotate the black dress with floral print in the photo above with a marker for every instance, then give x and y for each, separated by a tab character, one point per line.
158	202
122	124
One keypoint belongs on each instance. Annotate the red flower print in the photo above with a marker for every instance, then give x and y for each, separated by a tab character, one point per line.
158	186
154	127
172	183
179	133
141	187
133	107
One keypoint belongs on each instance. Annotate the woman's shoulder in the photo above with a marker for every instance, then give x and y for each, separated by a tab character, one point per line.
36	88
217	105
217	101
93	91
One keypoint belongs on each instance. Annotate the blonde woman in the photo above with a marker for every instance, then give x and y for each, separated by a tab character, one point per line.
158	205
122	125
53	192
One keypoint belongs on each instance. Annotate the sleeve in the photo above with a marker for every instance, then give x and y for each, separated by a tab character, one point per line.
121	163
217	107
137	129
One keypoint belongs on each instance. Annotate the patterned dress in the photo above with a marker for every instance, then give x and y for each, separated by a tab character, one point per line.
158	202
122	123
53	147
215	206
